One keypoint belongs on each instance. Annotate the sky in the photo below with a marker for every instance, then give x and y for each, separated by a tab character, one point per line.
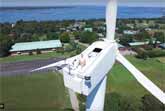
5	3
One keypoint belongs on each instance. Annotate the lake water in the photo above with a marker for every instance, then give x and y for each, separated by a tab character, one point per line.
78	12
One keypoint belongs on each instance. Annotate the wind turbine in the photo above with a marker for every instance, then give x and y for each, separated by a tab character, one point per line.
90	80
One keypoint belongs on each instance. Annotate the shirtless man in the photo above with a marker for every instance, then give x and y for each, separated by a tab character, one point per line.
82	61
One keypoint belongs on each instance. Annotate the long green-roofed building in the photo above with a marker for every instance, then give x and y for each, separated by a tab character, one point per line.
29	47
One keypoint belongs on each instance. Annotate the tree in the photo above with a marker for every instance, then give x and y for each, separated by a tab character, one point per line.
52	36
64	37
76	35
5	28
151	42
35	37
126	39
160	36
88	37
142	35
5	45
150	103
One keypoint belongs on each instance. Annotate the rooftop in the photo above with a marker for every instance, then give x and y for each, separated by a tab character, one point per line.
141	43
162	45
25	46
138	43
120	46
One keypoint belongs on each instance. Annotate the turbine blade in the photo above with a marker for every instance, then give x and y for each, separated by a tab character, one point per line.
111	16
142	79
57	64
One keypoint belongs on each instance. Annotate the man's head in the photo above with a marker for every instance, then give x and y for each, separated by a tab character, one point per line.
82	55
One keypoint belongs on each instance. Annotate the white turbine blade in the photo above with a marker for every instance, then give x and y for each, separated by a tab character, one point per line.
111	15
49	66
143	80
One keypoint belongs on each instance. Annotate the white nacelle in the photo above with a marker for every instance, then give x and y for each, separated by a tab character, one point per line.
100	57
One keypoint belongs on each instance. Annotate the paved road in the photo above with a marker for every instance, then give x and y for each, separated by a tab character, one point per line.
25	67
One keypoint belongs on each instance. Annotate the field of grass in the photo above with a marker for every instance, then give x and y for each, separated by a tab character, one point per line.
46	91
37	92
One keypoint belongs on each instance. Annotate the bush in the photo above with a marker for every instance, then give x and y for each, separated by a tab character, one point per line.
141	53
30	53
38	51
156	53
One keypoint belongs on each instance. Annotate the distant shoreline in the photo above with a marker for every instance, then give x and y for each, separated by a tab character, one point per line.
60	13
83	20
41	7
47	7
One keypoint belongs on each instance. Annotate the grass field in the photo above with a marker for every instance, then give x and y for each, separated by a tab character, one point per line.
46	91
35	92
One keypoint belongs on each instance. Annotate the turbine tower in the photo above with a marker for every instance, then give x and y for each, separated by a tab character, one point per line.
90	79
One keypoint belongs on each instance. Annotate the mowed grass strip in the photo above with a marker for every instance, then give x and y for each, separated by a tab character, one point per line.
35	92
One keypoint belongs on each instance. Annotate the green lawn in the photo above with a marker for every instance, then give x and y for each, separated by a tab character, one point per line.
35	92
46	91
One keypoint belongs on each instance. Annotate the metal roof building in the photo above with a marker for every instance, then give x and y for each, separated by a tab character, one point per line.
141	43
120	46
162	46
27	46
